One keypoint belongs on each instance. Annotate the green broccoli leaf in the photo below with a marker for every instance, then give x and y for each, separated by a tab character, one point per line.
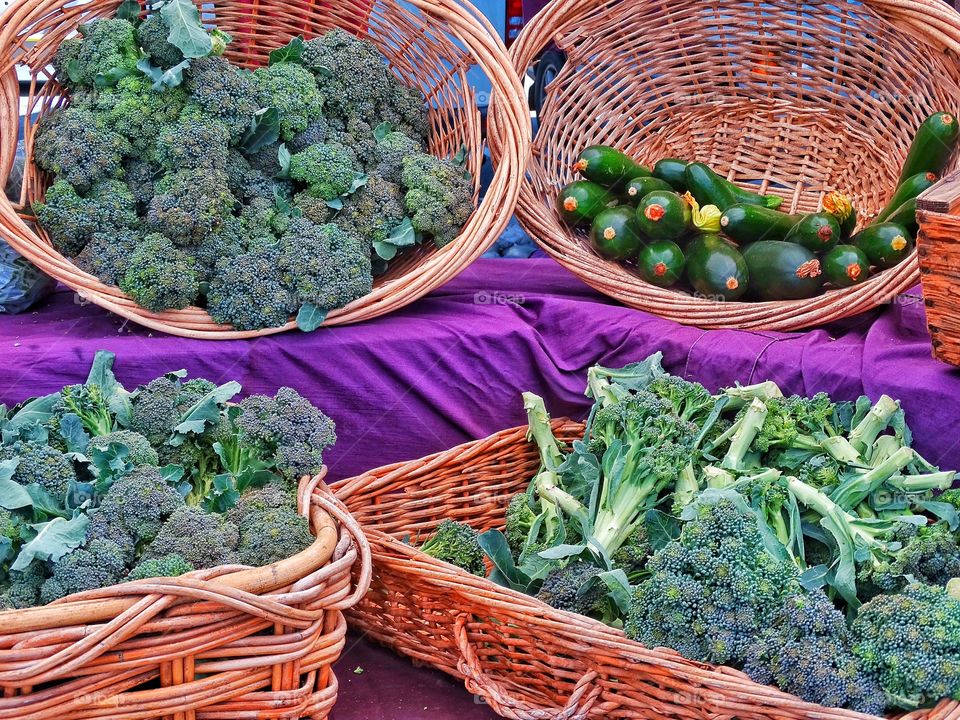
359	180
45	505
72	431
12	494
462	154
382	130
283	157
52	541
404	235
186	29
129	10
814	578
75	71
310	317
117	397
39	410
110	78
945	511
335	204
292	52
662	529
264	130
562	552
618	584
79	493
205	410
108	464
494	544
6	550
163	79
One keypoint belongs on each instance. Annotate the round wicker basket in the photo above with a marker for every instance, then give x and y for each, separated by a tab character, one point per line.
794	99
231	642
430	44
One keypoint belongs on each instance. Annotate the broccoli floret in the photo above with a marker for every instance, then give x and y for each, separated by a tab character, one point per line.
159	405
141	176
160	276
40	464
312	208
264	222
168	566
245	292
270	535
328	170
139	502
68	52
224	92
98	564
78	145
190	204
928	554
11	525
107	255
288	428
633	555
374	211
89	404
456	543
272	496
141	452
194	140
566	588
439	197
109	49
23	590
71	219
137	112
266	160
152	34
292	90
519	521
911	641
713	591
392	150
317	132
690	400
202	539
324	265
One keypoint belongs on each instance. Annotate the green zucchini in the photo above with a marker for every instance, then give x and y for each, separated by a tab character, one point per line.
615	234
581	201
672	171
716	269
664	215
609	167
906	215
932	146
747	197
749	223
661	263
846	265
641	186
908	190
707	187
817	232
839	205
885	244
782	270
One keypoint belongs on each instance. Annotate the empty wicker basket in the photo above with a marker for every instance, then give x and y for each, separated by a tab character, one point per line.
794	99
431	44
230	642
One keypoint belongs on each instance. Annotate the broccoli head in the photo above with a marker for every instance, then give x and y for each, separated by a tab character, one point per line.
153	34
136	111
633	555
245	292
292	90
140	450
99	564
66	58
190	204
194	140
458	544
317	132
139	502
89	404
272	496
203	539
225	93
40	464
519	521
439	197
107	255
23	589
159	405
141	176
574	588
928	554
168	566
273	534
71	220
160	276
392	149
109	50
374	211
312	208
328	171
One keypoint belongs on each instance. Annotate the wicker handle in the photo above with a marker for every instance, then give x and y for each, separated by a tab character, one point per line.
584	694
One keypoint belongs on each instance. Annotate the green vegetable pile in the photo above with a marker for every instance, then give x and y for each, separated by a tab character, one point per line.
100	486
680	224
801	540
184	179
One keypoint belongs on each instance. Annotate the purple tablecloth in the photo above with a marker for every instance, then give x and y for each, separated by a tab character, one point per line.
451	368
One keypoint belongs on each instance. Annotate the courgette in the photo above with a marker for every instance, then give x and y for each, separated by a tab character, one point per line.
615	234
839	205
608	166
782	270
748	197
749	223
885	244
672	171
932	146
641	186
581	201
664	215
716	269
817	232
906	215
908	190
661	263
707	187
846	265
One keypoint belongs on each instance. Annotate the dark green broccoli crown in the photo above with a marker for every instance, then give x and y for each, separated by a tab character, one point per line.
141	176
203	539
40	464
152	35
317	132
158	406
439	197
139	502
564	589
99	564
194	140
246	293
72	220
711	592
224	92
190	204
633	555
324	265
266	160
107	255
23	590
519	521
137	112
246	183
67	52
272	496
392	150
911	642
312	208
273	534
109	46
292	90
327	170
140	450
168	566
458	544
374	211
160	276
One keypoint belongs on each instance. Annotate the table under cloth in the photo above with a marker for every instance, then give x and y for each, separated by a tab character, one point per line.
451	368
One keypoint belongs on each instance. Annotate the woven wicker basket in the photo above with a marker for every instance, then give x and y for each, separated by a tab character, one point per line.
431	44
218	644
527	660
938	212
802	98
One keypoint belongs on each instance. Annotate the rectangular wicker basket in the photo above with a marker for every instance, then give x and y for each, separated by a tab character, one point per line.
527	660
938	212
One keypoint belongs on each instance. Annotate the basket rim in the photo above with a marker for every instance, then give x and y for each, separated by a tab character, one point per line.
487	221
934	22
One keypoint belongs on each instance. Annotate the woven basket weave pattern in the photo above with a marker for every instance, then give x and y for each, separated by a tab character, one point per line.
781	97
430	44
527	660
218	644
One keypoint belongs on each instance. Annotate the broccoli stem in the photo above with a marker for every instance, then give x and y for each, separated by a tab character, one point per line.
718	478
538	421
743	394
852	492
921	483
686	488
840	449
875	422
883	448
549	489
747	428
